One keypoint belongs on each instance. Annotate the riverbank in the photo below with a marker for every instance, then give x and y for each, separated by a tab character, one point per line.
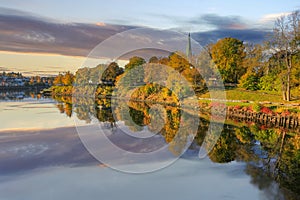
262	107
239	95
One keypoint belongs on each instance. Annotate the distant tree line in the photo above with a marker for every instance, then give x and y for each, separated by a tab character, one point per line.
26	80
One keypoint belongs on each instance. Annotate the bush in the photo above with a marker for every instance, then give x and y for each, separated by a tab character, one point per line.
266	110
256	107
237	107
249	82
270	83
285	113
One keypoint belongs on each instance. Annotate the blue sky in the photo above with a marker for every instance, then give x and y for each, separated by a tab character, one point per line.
38	35
154	13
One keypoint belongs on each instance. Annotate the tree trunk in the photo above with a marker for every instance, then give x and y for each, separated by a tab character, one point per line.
280	151
283	95
288	84
288	92
283	89
287	89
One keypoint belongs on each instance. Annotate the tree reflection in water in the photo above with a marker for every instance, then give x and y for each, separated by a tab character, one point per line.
272	155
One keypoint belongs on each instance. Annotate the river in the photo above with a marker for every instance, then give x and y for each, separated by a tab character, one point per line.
43	155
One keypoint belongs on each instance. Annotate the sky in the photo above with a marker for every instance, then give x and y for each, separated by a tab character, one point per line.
50	36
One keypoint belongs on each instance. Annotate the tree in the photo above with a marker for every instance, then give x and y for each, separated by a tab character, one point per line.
31	82
224	150
112	71
134	62
38	79
254	63
153	59
58	79
164	61
228	54
136	75
284	43
205	65
249	81
67	78
178	62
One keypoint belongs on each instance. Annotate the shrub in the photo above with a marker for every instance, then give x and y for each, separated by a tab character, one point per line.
270	82
249	108
249	82
256	107
266	110
237	107
279	110
285	113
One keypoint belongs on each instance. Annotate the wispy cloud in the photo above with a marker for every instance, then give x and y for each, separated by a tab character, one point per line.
272	17
24	32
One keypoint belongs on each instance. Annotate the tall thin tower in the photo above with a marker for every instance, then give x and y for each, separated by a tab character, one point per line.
189	48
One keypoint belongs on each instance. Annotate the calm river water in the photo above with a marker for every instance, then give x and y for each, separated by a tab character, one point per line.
42	156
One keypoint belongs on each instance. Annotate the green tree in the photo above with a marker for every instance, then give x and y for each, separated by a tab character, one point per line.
255	64
284	43
136	73
270	82
134	62
224	150
250	81
111	72
228	54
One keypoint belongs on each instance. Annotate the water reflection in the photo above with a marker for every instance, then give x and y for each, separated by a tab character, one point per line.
20	94
272	156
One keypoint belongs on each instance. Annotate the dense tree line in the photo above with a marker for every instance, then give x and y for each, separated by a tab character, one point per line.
272	66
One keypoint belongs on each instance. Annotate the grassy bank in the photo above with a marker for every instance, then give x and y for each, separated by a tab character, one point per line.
238	98
255	96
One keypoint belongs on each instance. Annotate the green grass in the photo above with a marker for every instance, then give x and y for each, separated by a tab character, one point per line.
256	96
238	103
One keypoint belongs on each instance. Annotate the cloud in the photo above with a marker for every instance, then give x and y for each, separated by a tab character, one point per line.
24	32
272	17
100	24
219	22
208	28
217	27
42	148
246	35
